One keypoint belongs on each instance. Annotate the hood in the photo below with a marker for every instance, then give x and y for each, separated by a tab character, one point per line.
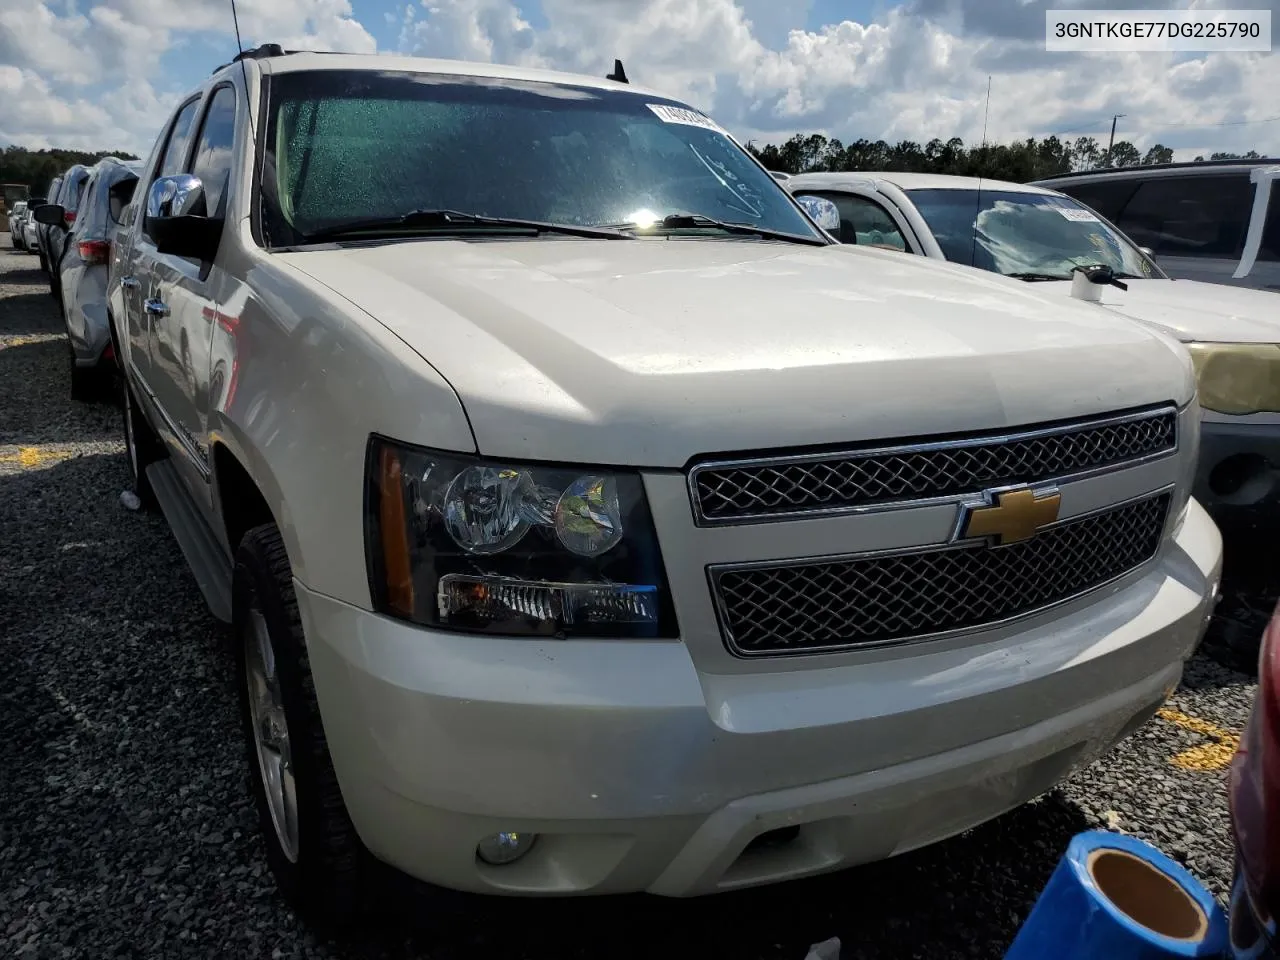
649	352
1191	310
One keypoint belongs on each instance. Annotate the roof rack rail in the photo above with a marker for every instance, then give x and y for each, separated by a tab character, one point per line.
260	52
1179	165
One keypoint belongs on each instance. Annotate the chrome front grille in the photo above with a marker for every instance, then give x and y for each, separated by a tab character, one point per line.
818	605
746	491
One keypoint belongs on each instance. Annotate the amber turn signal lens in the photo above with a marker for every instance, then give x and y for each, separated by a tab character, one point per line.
395	533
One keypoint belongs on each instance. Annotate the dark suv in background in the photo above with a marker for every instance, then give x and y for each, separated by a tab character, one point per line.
66	192
1217	221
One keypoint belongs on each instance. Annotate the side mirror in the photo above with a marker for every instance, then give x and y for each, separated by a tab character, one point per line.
824	213
50	213
1147	252
175	218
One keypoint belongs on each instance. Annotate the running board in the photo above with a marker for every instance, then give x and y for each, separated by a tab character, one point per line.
204	554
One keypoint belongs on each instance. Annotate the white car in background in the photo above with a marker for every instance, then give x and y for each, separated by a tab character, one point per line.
1041	236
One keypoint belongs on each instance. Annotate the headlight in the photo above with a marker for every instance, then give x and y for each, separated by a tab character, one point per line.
463	543
1237	378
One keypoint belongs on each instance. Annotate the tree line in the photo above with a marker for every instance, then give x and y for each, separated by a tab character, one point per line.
1019	162
36	168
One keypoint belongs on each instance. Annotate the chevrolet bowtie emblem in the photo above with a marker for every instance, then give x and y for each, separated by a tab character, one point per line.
1015	515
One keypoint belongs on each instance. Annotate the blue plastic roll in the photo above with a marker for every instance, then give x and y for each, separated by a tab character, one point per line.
1112	897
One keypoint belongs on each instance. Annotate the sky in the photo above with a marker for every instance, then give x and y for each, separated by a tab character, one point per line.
103	74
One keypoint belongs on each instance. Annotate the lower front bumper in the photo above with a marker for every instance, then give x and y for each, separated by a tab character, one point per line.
759	839
1238	483
640	771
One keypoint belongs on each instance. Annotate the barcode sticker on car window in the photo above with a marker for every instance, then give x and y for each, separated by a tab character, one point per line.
1076	214
692	118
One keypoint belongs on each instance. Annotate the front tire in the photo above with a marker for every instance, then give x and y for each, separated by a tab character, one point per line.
312	848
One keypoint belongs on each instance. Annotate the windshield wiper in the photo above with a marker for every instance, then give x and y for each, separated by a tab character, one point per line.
1037	277
696	221
438	221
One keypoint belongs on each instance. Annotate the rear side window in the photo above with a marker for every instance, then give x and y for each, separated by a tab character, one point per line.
85	189
82	184
176	143
212	160
175	151
118	196
1190	216
1108	197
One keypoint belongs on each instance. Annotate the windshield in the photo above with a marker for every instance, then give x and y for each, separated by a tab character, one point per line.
1040	235
348	146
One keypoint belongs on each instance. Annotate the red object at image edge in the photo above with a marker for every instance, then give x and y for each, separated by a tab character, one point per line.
1255	782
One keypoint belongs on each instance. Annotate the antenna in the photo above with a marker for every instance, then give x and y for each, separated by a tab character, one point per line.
1112	142
985	114
235	20
977	207
619	75
244	75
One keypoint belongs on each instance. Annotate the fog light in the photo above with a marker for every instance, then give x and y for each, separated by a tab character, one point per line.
505	847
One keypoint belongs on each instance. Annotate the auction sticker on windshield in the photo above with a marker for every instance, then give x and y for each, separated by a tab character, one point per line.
1077	215
692	118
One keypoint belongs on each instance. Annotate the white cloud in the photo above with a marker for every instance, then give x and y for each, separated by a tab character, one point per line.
91	78
33	115
919	72
489	30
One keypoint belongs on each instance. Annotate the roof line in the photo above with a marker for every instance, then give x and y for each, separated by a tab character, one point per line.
1178	165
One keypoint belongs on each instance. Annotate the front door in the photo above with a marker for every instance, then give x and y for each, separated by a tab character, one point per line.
184	301
141	269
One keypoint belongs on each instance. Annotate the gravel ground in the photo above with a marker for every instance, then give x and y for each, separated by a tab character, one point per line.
126	828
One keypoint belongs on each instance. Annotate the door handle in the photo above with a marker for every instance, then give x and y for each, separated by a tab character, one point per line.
157	308
130	283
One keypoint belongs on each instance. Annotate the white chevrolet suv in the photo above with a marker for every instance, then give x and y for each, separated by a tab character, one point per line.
590	521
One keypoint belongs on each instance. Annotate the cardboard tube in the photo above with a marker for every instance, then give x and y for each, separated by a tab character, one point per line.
1116	897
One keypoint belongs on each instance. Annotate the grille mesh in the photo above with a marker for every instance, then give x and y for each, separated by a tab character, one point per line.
868	600
728	493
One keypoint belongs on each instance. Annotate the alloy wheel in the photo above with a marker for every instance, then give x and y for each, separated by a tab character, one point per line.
271	733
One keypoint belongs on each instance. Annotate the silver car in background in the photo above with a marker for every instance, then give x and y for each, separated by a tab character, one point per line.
28	225
55	236
15	224
38	229
81	273
1216	221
